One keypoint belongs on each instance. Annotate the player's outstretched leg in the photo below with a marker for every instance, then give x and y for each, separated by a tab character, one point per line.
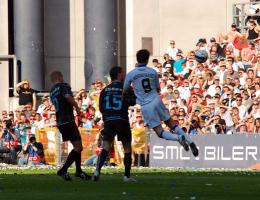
167	135
178	130
101	160
186	140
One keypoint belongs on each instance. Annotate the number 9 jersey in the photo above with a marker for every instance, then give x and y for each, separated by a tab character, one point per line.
145	82
111	103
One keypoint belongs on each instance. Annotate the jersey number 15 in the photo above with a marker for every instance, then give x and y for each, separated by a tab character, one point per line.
113	102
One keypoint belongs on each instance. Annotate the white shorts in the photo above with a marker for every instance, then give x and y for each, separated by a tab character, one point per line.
155	112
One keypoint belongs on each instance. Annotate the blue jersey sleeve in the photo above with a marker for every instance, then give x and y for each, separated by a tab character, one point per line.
127	82
157	83
66	90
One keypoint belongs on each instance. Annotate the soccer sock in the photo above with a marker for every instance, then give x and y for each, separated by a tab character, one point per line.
101	159
127	163
169	136
78	162
70	159
179	131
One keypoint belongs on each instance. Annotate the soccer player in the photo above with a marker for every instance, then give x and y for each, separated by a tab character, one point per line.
62	98
146	88
115	116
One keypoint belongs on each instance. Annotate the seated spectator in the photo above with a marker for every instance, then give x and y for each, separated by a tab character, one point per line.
248	55
194	127
97	89
12	143
11	116
86	122
221	128
22	129
34	151
45	107
169	94
178	64
250	124
4	115
86	99
168	60
257	125
97	146
255	110
26	94
219	50
38	123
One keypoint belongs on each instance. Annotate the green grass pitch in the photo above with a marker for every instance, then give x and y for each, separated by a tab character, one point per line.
153	184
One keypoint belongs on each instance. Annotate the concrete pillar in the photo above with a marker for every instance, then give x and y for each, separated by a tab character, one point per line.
101	38
4	75
28	40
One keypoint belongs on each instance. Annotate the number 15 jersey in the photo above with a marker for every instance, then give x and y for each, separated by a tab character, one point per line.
145	82
111	103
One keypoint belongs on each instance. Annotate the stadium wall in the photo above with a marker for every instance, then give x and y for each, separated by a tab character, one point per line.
182	21
158	20
4	48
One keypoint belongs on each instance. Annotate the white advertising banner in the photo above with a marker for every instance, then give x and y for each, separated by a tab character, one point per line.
215	151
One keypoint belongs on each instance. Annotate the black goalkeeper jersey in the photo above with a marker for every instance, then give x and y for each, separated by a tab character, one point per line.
64	110
111	104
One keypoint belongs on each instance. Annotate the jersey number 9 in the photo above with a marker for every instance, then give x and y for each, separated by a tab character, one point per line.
146	85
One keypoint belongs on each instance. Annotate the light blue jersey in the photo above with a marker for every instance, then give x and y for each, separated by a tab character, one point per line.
145	82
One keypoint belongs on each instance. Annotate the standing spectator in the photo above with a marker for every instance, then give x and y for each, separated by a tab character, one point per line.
233	33
253	30
26	94
172	50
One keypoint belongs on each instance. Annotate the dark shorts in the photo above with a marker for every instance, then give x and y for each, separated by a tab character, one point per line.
69	132
121	128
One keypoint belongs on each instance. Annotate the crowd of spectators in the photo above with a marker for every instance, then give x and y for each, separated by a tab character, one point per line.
220	96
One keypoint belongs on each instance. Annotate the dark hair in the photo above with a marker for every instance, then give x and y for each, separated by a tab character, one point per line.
32	139
252	43
8	124
142	56
155	60
114	71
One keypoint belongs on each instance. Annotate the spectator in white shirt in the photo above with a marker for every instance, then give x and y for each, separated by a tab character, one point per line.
172	50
